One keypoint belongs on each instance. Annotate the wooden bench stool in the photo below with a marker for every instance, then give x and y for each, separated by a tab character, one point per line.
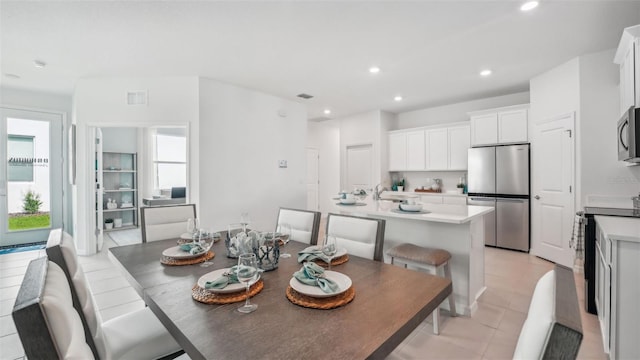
429	258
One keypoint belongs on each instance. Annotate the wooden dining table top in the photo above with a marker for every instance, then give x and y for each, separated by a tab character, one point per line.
390	302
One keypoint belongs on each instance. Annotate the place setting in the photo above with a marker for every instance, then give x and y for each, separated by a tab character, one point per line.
314	287
409	206
194	250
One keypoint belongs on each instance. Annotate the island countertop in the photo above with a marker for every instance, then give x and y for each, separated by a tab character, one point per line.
453	214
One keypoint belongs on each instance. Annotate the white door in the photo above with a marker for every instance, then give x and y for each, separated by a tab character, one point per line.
359	167
552	170
312	179
31	179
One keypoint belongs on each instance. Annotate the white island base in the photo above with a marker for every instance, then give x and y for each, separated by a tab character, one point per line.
459	229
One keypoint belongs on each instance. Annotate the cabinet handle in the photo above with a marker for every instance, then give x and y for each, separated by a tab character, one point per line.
537	197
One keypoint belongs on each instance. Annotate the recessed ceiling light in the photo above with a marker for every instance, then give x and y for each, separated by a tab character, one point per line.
486	72
39	63
327	111
374	69
398	98
12	76
529	5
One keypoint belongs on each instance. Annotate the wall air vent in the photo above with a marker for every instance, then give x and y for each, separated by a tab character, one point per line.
136	97
305	96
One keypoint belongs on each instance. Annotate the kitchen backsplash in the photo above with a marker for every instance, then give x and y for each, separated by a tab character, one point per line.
416	179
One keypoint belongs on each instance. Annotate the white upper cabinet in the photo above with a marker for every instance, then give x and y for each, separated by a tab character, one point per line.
437	149
429	148
398	151
628	57
415	150
459	142
506	125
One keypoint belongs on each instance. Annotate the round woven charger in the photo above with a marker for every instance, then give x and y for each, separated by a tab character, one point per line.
207	297
337	261
320	303
197	260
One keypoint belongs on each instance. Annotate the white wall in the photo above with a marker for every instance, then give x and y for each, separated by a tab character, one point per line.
456	112
102	103
325	136
600	171
242	137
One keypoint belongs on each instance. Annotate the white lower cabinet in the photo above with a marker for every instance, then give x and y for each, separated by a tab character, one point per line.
454	200
431	199
618	285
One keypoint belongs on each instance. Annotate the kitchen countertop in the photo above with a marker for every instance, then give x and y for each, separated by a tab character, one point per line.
620	228
453	214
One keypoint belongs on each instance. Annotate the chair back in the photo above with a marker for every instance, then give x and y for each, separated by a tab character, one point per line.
165	222
361	236
305	224
47	323
62	251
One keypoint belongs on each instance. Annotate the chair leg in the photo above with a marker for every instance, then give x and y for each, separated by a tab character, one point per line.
436	320
452	301
392	260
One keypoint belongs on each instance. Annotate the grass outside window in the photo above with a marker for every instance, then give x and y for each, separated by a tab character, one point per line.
28	222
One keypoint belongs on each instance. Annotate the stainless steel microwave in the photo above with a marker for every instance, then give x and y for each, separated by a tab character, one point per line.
629	136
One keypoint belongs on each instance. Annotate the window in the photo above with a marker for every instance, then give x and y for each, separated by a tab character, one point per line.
170	161
20	153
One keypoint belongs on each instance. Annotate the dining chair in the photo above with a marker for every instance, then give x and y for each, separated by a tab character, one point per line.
165	222
133	335
305	224
361	236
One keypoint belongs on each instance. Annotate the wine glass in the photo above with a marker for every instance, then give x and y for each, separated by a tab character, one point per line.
285	236
329	248
245	220
193	224
205	241
247	272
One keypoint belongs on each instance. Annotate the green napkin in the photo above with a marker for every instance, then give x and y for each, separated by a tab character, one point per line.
229	277
192	248
312	274
311	253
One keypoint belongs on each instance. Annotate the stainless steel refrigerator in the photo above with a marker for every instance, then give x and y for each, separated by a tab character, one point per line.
499	177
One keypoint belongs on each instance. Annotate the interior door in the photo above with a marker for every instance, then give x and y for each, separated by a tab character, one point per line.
359	167
312	179
31	178
553	208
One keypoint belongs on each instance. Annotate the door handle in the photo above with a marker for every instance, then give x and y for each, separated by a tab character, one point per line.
537	197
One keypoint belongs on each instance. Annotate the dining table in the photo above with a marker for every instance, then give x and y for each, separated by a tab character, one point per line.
390	302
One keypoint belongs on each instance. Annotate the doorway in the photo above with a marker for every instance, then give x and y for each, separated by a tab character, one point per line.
312	179
31	179
359	167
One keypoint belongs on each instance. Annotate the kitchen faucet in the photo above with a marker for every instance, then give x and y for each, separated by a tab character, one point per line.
377	191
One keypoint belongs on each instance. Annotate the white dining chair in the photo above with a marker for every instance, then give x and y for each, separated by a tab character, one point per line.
360	236
134	335
305	224
165	222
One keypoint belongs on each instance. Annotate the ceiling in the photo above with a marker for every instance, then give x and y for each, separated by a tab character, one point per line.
430	52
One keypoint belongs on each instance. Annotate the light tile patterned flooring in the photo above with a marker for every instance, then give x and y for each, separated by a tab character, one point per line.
490	334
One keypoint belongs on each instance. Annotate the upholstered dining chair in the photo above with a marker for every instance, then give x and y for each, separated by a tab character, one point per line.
134	335
305	224
361	236
165	222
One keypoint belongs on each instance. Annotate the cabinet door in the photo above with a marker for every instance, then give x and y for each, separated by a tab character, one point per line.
636	71
512	126
459	140
484	129
415	150
431	199
454	200
437	158
397	151
627	81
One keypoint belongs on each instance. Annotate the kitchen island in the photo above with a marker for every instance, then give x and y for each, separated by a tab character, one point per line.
458	229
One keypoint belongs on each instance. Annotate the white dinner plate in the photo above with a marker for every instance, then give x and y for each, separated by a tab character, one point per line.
343	281
176	253
216	274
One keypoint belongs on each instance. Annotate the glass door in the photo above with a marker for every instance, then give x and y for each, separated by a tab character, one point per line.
31	185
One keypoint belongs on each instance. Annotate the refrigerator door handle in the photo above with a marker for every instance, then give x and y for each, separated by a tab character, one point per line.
511	200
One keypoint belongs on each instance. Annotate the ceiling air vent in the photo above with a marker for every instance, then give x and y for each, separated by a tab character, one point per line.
136	97
305	96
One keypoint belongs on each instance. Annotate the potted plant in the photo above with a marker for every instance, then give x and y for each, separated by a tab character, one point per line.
108	224
400	185
460	187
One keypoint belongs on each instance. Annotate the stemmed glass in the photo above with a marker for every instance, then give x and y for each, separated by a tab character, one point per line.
205	241
285	236
193	224
248	274
329	248
244	220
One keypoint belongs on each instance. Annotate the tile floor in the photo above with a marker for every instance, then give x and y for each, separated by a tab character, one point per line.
490	334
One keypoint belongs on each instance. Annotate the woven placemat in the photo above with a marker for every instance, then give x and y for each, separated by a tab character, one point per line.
207	297
337	261
321	303
197	260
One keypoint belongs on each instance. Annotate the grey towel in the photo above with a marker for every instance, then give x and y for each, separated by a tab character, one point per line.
577	236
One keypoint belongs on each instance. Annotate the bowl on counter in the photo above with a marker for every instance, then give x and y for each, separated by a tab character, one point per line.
410	207
348	201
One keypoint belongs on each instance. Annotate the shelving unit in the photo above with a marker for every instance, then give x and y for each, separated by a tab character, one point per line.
119	175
